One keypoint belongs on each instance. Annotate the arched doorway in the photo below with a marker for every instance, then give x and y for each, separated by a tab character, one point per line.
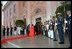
38	25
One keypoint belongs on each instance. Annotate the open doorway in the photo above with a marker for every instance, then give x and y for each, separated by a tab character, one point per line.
38	26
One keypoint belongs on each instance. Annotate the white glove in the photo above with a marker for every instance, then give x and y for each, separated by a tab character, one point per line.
55	24
65	21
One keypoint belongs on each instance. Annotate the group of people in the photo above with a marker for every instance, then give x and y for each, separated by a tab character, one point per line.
56	26
17	30
48	29
7	30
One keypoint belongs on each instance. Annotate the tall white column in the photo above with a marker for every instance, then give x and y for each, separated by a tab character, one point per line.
2	18
54	6
28	13
48	12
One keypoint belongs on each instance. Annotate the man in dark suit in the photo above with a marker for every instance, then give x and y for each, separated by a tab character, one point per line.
4	30
28	29
7	31
11	29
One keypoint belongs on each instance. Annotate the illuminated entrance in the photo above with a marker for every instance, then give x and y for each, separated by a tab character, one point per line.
39	25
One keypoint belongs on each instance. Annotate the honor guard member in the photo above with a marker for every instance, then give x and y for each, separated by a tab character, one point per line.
68	19
60	28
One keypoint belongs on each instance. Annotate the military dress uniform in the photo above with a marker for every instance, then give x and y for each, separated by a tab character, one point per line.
60	29
69	27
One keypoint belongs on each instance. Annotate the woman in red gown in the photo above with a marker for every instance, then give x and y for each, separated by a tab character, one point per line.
32	30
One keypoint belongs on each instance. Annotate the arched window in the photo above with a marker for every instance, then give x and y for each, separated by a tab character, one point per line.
14	8
38	11
24	3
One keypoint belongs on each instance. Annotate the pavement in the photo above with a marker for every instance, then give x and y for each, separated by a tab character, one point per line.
40	41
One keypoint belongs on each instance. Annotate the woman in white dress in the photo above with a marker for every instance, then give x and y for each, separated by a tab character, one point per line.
50	32
18	30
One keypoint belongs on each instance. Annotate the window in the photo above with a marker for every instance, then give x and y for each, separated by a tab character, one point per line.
23	3
10	11
7	13
14	9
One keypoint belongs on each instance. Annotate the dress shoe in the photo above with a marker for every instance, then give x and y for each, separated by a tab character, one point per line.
61	42
54	40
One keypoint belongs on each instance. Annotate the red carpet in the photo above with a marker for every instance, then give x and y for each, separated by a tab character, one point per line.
3	41
31	34
12	38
